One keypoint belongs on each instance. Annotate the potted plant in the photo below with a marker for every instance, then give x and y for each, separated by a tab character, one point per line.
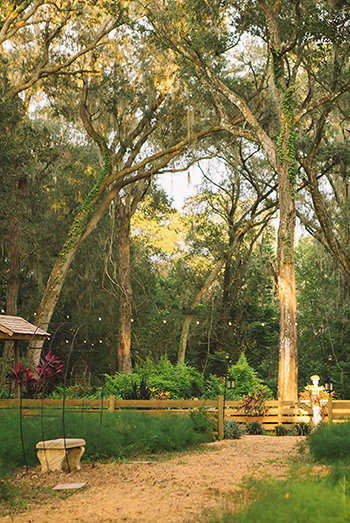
253	404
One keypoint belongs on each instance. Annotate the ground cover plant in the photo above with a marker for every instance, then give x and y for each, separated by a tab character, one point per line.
310	500
122	434
232	429
330	443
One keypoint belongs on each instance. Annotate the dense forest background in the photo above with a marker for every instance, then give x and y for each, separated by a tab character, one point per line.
97	105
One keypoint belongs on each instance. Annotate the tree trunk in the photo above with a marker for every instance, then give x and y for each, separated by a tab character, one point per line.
184	337
288	356
125	300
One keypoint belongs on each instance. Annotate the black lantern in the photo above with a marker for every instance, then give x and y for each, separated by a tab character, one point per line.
230	382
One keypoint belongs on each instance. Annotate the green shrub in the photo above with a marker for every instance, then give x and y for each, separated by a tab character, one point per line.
254	428
214	387
281	430
181	380
302	428
137	391
202	423
330	443
232	429
246	379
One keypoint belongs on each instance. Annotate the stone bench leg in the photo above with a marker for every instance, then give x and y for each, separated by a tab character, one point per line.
56	459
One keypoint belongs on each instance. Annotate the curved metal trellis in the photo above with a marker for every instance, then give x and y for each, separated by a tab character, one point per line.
70	343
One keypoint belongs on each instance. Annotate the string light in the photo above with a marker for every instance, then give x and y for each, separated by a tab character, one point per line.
2	310
230	323
263	324
164	321
99	319
132	320
197	322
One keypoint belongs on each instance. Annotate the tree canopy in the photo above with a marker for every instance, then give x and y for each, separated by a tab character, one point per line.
98	100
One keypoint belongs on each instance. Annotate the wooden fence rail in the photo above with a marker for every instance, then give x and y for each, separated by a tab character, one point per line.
279	412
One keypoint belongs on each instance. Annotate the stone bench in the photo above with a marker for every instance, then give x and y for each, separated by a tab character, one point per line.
60	454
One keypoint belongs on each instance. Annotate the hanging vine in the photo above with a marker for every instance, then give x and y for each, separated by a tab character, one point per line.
287	133
80	221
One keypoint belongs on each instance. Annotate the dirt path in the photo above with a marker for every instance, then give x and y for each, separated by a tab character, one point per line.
179	490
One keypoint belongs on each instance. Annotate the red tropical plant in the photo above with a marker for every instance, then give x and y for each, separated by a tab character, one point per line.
35	382
253	404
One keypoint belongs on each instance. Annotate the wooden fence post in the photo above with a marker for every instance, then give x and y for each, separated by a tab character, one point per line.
111	403
330	410
279	410
221	417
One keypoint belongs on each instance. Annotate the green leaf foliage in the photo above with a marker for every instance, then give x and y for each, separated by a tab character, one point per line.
181	381
246	379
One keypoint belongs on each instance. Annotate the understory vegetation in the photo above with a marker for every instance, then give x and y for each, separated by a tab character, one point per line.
122	434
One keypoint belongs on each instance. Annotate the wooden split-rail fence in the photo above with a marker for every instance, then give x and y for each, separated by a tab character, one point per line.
279	412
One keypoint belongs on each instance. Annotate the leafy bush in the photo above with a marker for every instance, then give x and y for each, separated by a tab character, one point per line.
201	421
39	381
254	428
214	387
232	429
330	443
184	382
136	391
281	430
181	380
302	428
246	379
253	404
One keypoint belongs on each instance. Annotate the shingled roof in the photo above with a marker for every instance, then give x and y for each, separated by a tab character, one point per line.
17	328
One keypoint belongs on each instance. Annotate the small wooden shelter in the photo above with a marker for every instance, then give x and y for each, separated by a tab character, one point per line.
16	329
